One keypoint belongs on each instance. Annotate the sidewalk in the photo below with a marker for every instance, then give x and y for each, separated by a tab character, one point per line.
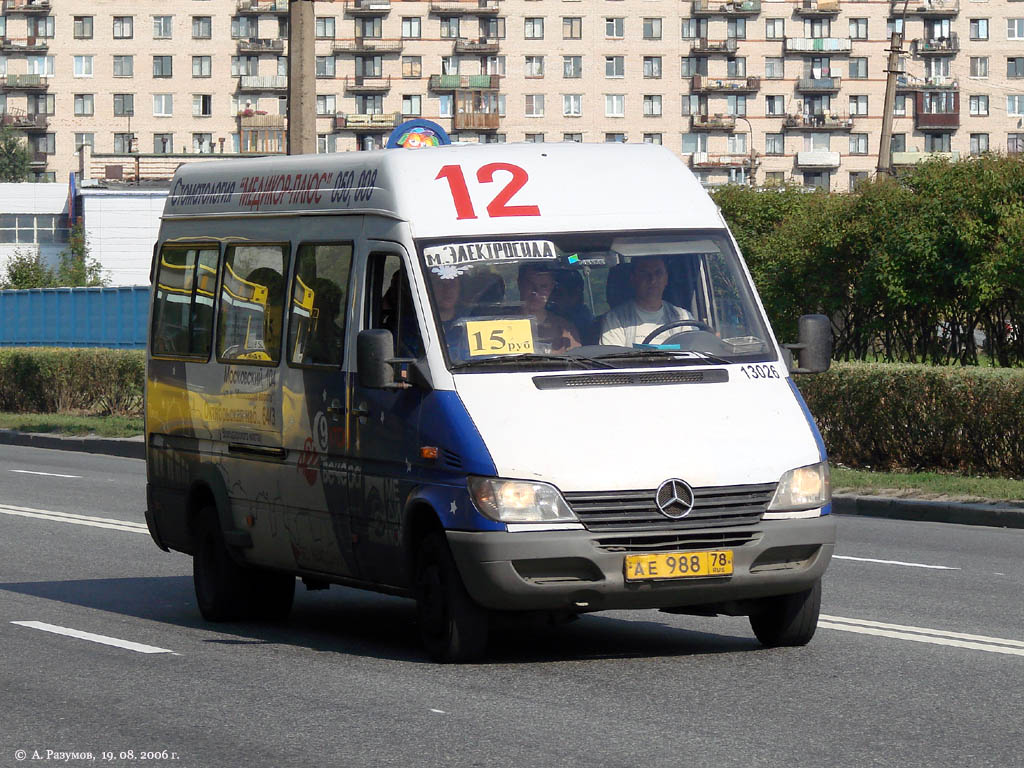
997	514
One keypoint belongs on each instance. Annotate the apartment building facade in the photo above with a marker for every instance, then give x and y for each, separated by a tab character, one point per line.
748	91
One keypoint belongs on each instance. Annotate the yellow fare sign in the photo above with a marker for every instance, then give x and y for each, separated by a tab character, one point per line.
499	337
678	565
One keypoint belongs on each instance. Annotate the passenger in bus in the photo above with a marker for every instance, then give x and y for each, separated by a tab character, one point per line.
326	344
630	323
536	282
567	301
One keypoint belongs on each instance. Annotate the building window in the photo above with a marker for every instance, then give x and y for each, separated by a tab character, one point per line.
939	103
1015	29
324	27
162	27
572	104
817	180
40	65
162	66
449	65
202	27
690	66
202	105
979	143
979	29
979	106
859	29
326	104
652	67
412	66
737	144
42	27
615	138
243	65
369	104
242	27
124	66
41	103
614	66
937	142
858	67
534	66
899	105
979	66
574	137
325	143
83	105
774	144
1015	66
533	28
692	104
858	105
1015	143
325	66
858	143
774	29
693	29
736	105
1015	105
572	28
652	29
493	29
124	104
572	66
163	104
615	105
534	138
163	143
535	105
857	178
369	28
412	27
124	27
412	105
83	27
652	138
614	27
444	105
774	178
123	142
774	105
774	68
495	65
898	143
652	105
736	67
736	29
449	27
202	143
202	66
85	140
83	66
891	26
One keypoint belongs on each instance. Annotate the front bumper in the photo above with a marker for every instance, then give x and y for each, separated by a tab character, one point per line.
578	571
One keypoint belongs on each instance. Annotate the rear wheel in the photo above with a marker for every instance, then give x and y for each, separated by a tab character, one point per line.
788	620
453	628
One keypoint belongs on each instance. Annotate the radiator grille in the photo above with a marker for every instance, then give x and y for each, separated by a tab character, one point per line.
713	506
676	541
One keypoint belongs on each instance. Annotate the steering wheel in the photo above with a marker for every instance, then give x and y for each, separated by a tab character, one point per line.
676	324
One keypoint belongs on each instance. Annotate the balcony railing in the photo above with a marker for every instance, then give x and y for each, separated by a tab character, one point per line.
483	45
704	160
263	83
817	158
368	45
364	84
819	84
818	44
261	121
905	83
367	123
368	7
936	121
703	45
927	7
705	84
261	45
27	45
715	122
722	8
262	6
476	121
18	118
818	122
940	46
457	7
463	82
912	158
26	82
38	159
813	8
27	6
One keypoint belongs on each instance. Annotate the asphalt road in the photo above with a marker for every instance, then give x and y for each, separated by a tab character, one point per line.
919	663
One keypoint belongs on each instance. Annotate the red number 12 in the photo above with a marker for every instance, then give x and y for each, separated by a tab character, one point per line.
499	205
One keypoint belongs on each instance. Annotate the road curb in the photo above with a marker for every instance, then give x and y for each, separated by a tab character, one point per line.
961	513
125	447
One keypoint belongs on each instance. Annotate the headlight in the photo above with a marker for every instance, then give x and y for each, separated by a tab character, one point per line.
519	501
803	488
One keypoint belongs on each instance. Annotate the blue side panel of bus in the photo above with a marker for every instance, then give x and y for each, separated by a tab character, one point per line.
75	317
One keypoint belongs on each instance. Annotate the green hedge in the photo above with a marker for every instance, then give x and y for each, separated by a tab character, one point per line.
898	416
50	380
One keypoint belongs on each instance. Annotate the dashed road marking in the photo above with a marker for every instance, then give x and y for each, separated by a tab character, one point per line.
895	562
67	517
102	639
923	635
45	474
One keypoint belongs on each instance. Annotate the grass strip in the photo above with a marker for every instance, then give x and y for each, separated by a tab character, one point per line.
72	424
926	485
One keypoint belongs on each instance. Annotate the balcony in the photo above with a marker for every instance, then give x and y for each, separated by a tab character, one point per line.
817	158
817	122
37	160
704	84
936	121
483	45
261	45
913	158
368	8
476	121
263	83
26	45
26	83
459	7
463	82
720	8
263	6
905	84
363	84
27	6
716	122
818	45
367	45
817	8
251	121
23	121
706	161
704	46
818	84
943	8
367	123
943	46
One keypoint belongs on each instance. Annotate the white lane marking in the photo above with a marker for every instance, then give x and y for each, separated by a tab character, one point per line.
103	639
895	562
438	711
67	517
923	635
45	474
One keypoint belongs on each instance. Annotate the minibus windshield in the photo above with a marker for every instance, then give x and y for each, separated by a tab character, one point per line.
606	299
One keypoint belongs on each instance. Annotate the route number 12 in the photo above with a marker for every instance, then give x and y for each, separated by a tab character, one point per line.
485	175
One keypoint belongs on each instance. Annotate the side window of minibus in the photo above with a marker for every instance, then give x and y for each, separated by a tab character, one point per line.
186	278
389	303
251	304
316	324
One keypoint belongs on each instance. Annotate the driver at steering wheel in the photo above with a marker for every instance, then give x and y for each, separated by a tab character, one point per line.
630	323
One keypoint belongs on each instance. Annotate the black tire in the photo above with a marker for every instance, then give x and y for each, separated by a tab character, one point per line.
788	620
228	591
453	628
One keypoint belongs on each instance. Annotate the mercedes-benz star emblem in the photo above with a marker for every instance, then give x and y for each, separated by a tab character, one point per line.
674	499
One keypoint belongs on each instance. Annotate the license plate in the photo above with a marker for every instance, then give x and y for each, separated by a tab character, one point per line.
679	565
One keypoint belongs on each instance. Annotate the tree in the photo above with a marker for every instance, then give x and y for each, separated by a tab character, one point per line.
14	156
76	268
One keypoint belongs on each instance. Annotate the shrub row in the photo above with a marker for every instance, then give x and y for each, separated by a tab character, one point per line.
915	417
50	380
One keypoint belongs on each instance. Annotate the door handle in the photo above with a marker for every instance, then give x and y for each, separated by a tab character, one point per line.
335	409
361	411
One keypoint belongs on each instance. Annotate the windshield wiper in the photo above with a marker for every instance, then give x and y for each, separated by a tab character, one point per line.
681	356
532	357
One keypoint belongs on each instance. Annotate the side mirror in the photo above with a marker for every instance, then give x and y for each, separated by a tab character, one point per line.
814	350
374	350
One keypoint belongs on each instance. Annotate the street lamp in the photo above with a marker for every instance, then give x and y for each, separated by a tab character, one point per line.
750	148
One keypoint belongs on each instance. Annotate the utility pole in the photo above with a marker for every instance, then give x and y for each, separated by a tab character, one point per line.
892	70
301	78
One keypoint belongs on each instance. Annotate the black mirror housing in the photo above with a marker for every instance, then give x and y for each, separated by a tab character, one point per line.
814	350
374	349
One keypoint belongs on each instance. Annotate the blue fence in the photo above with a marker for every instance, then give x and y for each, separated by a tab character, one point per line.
75	317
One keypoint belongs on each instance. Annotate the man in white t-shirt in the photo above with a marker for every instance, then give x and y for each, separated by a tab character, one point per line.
630	323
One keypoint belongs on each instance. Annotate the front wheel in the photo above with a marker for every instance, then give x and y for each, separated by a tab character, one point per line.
453	628
788	620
